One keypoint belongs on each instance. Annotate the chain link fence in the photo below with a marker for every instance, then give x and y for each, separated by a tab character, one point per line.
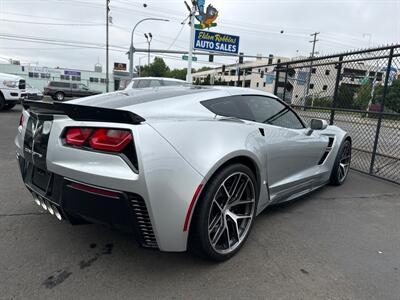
357	91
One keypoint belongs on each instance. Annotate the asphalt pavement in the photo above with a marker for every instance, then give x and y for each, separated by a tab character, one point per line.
337	243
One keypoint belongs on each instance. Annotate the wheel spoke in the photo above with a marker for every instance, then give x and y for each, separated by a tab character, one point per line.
227	233
219	234
235	185
226	191
217	204
239	193
214	222
236	227
238	202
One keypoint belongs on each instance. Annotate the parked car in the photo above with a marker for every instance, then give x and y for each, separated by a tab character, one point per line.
180	167
33	93
59	90
146	82
12	90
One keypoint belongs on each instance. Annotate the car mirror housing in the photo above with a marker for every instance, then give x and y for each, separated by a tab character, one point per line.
318	124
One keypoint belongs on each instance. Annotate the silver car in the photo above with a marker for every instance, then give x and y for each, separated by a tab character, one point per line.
179	167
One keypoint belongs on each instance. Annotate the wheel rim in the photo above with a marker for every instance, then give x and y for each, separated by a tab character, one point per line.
344	163
231	213
59	96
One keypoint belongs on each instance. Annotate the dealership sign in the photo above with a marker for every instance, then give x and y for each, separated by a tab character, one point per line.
216	42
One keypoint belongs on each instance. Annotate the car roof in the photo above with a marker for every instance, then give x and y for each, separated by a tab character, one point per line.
174	94
159	78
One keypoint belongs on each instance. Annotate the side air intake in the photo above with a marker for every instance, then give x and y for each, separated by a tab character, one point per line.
327	151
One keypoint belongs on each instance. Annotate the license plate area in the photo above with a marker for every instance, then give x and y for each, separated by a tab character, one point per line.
41	178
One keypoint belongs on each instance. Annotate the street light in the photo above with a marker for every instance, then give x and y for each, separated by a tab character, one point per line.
132	49
149	38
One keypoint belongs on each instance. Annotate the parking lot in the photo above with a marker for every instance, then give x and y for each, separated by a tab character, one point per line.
337	243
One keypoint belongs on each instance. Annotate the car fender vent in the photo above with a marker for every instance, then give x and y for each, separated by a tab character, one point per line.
327	150
144	226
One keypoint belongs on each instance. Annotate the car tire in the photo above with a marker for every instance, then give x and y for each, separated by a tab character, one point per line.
8	106
215	233
60	96
342	164
2	102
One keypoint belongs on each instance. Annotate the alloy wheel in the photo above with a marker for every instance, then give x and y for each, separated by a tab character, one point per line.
231	213
344	163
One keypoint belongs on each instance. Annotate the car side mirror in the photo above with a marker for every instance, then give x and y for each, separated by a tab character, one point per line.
318	124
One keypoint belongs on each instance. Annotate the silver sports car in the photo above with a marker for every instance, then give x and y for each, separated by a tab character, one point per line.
179	167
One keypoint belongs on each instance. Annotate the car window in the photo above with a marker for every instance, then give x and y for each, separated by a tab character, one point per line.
255	108
155	83
172	83
228	107
74	86
135	84
143	83
271	111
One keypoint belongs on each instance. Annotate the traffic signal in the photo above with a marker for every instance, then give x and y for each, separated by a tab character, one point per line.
241	57
223	68
211	58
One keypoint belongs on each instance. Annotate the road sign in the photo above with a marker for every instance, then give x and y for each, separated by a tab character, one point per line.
216	42
185	57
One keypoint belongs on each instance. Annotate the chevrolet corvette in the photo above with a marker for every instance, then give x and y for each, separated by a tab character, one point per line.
181	168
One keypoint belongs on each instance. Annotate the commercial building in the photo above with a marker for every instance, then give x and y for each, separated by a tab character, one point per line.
39	76
301	82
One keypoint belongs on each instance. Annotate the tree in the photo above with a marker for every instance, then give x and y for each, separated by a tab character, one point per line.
177	74
157	68
346	94
392	100
363	96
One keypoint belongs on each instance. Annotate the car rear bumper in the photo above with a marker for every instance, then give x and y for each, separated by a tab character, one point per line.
78	201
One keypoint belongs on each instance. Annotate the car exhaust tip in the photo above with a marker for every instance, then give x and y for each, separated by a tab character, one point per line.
35	198
50	209
57	213
43	203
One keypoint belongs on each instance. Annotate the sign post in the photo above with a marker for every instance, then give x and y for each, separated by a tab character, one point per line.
189	68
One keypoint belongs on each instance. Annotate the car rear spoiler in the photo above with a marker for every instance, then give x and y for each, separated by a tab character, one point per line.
82	112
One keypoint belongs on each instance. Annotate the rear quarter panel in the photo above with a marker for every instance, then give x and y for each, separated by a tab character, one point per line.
208	144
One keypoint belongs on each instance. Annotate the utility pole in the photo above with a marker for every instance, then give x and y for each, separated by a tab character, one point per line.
314	41
107	21
192	11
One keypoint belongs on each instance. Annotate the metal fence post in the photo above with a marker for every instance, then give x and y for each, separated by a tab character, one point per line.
286	78
336	91
378	126
276	79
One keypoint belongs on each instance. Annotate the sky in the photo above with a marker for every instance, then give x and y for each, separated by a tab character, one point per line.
41	31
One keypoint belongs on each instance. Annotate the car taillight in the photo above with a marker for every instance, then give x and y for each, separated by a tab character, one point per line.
77	136
104	139
113	140
21	120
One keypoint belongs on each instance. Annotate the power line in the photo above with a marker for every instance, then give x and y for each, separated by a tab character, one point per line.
48	23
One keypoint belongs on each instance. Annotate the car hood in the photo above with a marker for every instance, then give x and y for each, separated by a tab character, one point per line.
4	76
